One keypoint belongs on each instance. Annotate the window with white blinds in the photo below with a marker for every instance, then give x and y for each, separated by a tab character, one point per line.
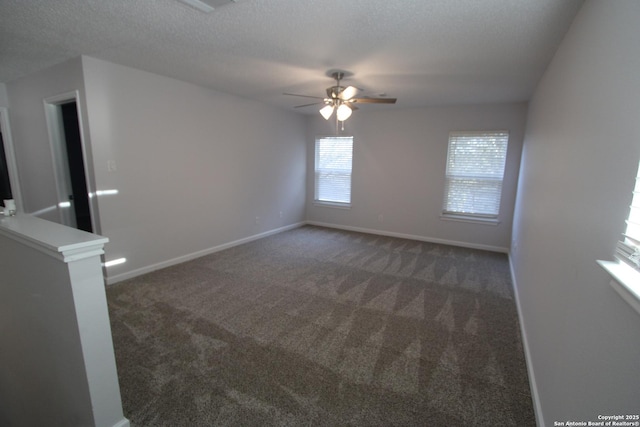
628	249
475	169
334	157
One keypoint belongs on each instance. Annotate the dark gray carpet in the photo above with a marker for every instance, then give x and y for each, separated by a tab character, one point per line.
320	327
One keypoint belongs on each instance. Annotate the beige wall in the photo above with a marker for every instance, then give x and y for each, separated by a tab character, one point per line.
194	168
399	171
4	100
30	135
580	158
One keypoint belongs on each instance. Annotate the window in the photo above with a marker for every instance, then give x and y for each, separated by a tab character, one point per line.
334	156
626	273
628	249
475	168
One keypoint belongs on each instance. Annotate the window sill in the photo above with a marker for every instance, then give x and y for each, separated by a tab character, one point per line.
626	281
336	205
472	219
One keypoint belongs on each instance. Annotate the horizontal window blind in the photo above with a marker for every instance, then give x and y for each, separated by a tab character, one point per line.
334	157
628	249
475	170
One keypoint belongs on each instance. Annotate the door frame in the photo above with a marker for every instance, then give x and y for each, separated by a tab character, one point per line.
10	155
57	144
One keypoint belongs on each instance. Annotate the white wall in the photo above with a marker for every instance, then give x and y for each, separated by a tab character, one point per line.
57	365
580	156
30	135
4	100
399	171
194	167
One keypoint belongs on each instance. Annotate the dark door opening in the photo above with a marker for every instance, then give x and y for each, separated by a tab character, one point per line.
79	197
5	183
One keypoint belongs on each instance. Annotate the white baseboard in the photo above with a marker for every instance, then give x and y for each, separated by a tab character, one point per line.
537	408
122	423
412	237
188	257
184	258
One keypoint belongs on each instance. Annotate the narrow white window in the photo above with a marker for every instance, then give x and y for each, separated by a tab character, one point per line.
475	170
334	156
628	249
626	270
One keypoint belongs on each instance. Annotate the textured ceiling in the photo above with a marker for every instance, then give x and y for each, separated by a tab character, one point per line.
424	52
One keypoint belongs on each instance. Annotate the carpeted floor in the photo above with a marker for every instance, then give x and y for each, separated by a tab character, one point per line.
320	327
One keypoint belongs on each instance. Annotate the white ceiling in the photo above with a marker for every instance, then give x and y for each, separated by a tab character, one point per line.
424	52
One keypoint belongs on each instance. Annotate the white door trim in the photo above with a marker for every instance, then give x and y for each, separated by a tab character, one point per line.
9	152
59	156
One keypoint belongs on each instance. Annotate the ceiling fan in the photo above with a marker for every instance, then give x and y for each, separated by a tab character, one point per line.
341	99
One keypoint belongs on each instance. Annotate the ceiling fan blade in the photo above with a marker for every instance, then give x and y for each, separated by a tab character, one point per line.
350	105
304	96
348	92
307	105
374	100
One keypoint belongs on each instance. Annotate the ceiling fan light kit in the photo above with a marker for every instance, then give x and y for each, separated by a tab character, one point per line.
327	111
344	112
341	99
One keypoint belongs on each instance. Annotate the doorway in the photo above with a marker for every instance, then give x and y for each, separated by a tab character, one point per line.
65	132
5	184
79	196
9	186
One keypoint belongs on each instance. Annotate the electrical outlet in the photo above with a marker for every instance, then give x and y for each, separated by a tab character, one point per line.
111	166
280	214
380	218
257	220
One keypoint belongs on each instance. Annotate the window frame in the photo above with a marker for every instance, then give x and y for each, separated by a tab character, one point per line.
316	183
628	248
625	270
470	216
